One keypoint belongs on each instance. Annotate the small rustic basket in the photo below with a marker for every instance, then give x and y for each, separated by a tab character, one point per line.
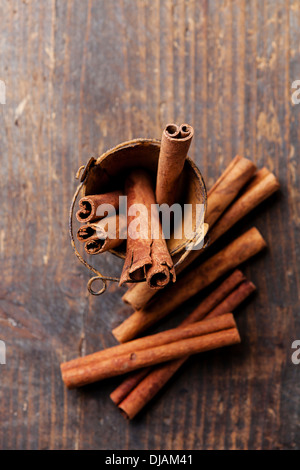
106	174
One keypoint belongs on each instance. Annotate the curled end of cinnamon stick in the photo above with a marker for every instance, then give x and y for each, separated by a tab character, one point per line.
123	413
160	275
86	210
183	132
89	206
158	279
175	143
85	232
172	131
135	270
95	246
186	131
121	392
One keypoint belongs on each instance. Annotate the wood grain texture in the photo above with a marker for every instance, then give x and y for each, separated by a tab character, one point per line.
81	77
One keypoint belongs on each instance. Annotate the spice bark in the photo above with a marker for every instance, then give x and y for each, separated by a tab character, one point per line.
175	143
147	255
89	206
103	235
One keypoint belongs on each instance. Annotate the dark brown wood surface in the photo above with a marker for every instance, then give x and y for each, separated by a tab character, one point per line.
81	77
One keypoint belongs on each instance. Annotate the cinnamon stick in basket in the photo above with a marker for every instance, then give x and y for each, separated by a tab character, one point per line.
147	256
175	143
88	205
234	254
190	339
104	235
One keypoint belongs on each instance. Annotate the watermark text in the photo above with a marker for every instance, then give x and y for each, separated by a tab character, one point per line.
2	92
2	352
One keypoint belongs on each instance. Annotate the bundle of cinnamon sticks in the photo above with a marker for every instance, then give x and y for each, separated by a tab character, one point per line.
147	255
151	361
102	227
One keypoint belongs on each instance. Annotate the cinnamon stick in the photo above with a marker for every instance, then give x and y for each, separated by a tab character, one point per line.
88	205
134	395
261	186
175	143
223	332
234	254
146	257
104	235
148	342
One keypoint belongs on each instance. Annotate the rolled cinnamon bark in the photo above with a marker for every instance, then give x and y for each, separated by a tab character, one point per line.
146	256
261	186
179	342
138	295
162	270
175	143
151	341
88	205
214	305
132	397
241	249
86	232
104	235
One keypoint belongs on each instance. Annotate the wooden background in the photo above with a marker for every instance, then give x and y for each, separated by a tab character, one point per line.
82	76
